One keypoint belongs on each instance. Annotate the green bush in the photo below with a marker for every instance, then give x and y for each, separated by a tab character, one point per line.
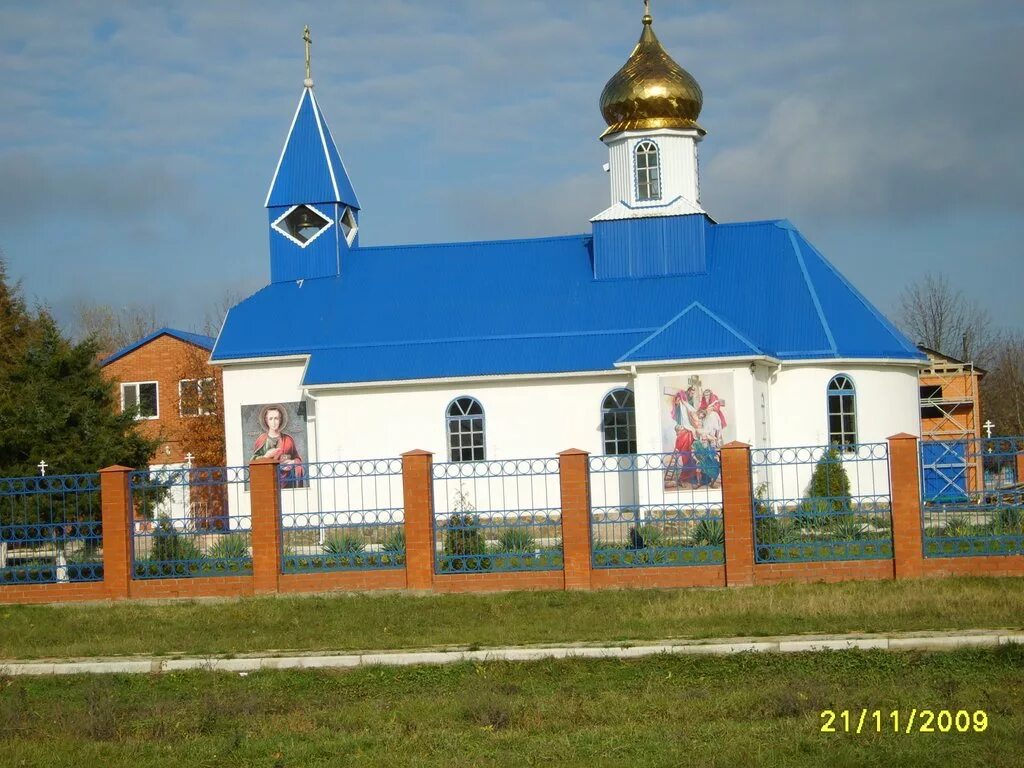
463	543
709	533
343	544
1009	520
171	546
515	540
232	546
829	489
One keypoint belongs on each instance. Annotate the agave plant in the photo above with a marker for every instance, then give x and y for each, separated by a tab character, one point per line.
709	532
515	540
343	544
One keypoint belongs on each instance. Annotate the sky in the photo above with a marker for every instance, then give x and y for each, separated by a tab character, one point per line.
137	140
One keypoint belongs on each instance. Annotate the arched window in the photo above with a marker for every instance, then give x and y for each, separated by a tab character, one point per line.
618	419
648	171
842	412
465	430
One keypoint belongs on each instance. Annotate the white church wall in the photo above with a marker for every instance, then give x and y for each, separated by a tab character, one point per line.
886	403
678	154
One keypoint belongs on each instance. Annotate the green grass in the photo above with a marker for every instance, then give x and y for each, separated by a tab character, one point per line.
390	621
749	710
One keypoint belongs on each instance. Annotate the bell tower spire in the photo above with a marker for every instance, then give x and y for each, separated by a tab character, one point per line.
313	210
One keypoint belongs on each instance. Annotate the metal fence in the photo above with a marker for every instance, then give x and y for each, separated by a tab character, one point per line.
497	516
343	515
656	509
51	529
972	498
822	503
190	522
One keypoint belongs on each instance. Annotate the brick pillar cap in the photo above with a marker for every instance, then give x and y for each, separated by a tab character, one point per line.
735	444
903	436
116	468
573	452
416	452
271	460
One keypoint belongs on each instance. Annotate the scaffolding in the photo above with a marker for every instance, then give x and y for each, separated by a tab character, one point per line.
951	412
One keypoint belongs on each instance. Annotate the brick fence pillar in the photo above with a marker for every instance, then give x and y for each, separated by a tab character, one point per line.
905	491
265	511
738	514
118	517
574	486
418	495
1020	468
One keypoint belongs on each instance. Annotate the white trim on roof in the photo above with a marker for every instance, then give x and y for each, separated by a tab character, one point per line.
284	148
323	142
696	361
445	380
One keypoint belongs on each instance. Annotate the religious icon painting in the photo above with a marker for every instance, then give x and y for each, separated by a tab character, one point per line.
278	431
696	421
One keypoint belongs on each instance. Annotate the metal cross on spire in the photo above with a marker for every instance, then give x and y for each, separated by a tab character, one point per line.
308	40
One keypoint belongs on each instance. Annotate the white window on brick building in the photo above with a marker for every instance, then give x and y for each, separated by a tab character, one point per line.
197	397
141	398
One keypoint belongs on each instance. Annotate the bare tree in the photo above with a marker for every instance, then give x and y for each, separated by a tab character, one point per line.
113	327
936	314
214	317
1002	388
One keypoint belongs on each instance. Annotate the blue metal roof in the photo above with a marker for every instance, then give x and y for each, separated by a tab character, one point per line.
191	338
693	333
310	169
534	306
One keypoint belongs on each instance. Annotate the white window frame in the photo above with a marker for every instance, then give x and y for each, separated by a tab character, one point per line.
200	411
138	399
846	400
278	225
652	177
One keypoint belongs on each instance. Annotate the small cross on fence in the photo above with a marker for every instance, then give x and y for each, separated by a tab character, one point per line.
42	468
988	427
189	458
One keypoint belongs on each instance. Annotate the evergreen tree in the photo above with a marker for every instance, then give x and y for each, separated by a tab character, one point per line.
830	485
55	405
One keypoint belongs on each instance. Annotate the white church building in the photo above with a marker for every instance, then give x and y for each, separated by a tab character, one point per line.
657	325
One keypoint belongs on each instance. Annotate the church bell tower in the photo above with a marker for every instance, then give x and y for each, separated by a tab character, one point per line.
313	212
651	106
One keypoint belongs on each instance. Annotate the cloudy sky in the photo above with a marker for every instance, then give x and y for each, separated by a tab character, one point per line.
137	140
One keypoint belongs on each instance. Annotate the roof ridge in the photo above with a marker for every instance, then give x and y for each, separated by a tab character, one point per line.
465	243
461	340
811	290
693	305
889	326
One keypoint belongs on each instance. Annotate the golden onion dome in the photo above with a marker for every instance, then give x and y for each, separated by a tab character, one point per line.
651	91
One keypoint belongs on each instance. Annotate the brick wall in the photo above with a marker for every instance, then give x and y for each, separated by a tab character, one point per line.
739	568
161	360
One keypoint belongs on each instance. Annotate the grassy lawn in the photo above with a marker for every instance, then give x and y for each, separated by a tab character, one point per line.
383	621
749	710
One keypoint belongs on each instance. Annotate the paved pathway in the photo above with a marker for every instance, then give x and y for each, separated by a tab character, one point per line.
921	641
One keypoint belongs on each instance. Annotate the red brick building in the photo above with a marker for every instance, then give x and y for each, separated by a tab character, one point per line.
166	379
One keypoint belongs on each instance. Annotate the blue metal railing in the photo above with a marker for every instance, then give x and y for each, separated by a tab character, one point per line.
190	522
972	500
51	529
826	502
656	509
494	516
342	516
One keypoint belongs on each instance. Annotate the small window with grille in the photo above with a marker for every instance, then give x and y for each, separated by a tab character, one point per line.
466	430
618	420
